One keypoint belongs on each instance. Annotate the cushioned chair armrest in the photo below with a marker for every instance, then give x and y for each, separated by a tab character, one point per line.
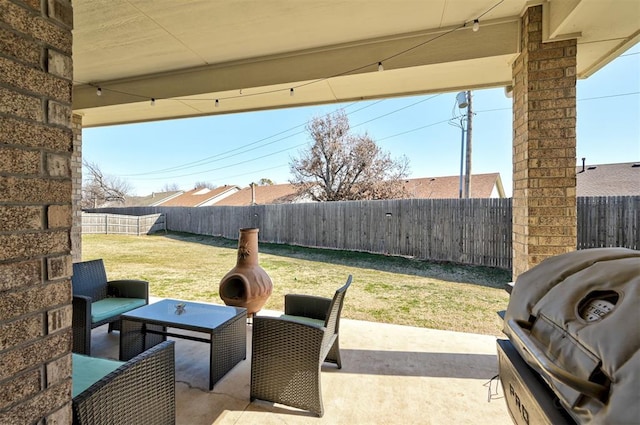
307	306
81	324
140	391
83	300
129	288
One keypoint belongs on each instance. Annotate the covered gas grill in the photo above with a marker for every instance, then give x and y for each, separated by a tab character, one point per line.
573	353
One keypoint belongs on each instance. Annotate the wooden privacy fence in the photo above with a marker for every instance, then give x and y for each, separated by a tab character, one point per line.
609	221
467	231
464	231
122	224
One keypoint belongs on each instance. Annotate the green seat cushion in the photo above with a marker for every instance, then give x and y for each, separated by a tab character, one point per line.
110	307
86	371
302	319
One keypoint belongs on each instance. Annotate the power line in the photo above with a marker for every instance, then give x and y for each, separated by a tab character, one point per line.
284	150
414	129
217	157
373	119
274	153
610	95
212	158
494	110
225	166
397	110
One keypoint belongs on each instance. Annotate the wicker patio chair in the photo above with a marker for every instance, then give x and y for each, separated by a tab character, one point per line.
97	301
288	351
139	392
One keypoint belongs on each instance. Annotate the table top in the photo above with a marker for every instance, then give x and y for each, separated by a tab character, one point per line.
194	315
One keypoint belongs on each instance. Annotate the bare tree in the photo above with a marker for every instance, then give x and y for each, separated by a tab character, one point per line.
98	188
265	182
203	184
170	187
340	166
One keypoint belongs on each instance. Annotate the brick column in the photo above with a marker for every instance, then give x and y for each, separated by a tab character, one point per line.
544	146
35	211
76	181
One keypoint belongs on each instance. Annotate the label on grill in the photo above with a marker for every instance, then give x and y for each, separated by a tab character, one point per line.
596	310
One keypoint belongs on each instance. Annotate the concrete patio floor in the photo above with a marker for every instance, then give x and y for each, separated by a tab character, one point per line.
391	374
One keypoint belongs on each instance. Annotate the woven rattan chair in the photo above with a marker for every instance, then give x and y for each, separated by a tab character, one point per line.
97	301
288	351
140	391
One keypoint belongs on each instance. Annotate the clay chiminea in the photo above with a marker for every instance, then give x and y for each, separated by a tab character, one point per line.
247	284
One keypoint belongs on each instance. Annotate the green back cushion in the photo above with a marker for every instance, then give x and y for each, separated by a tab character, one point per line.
88	370
110	307
302	319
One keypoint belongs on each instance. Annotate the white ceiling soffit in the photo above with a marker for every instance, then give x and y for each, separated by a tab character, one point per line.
248	54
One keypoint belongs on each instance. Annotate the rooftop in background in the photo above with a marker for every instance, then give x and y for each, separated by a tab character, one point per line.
622	179
261	195
156	198
482	186
447	187
201	197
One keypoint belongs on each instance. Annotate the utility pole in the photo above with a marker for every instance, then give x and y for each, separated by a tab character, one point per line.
467	177
460	191
462	100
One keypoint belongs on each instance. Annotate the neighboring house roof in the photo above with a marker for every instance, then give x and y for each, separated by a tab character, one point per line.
621	179
152	200
201	197
156	198
267	194
482	186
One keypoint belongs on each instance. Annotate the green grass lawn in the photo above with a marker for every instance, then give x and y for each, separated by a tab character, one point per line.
385	289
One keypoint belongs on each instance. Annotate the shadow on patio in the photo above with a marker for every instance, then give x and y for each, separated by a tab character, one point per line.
391	374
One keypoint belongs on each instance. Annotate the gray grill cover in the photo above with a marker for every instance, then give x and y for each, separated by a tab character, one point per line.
592	366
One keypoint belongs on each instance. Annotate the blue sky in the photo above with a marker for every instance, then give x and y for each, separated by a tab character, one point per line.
243	148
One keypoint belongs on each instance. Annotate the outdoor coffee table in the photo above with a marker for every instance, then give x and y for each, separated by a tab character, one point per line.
226	327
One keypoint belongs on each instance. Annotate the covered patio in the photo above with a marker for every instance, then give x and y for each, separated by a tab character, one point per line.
391	374
67	64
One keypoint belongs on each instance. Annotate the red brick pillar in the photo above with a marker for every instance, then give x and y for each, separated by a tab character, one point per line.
544	146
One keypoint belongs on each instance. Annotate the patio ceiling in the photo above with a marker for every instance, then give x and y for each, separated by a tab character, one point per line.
248	54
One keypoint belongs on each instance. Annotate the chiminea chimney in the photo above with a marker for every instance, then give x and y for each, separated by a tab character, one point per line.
253	193
247	284
583	159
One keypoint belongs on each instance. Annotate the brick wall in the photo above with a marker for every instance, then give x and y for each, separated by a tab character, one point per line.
76	197
544	146
36	143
